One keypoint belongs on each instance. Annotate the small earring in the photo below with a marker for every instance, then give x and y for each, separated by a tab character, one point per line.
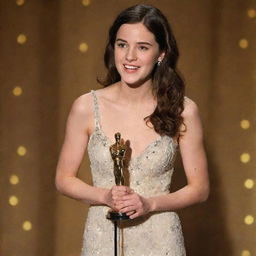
159	63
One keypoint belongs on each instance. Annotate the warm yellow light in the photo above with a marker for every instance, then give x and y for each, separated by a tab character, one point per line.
13	200
251	13
21	39
85	2
245	158
249	219
17	91
243	43
83	47
14	179
245	253
21	151
245	124
27	225
249	183
20	2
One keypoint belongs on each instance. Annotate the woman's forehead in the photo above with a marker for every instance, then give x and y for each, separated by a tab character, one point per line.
136	31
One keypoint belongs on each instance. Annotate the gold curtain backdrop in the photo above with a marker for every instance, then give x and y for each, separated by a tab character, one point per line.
51	52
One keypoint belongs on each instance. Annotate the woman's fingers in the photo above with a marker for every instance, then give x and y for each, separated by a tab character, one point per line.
124	199
134	205
130	213
124	206
120	191
134	215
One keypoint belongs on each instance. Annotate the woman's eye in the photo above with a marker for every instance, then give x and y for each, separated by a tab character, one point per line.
143	48
121	45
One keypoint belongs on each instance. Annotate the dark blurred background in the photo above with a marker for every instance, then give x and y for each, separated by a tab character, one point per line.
51	52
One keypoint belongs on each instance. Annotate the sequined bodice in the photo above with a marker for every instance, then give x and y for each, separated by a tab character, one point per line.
155	234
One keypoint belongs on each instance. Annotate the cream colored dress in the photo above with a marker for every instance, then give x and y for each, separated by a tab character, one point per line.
157	234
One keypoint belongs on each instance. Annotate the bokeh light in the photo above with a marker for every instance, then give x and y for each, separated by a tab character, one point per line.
249	183
243	43
83	47
245	158
27	225
245	253
14	179
245	124
249	220
13	200
21	151
17	91
20	2
85	2
251	13
21	39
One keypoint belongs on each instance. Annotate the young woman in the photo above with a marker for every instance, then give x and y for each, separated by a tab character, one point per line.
144	100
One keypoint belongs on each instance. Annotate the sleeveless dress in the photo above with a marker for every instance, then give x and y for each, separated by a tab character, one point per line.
156	234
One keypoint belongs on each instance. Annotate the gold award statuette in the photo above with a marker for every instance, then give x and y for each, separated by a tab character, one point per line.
117	151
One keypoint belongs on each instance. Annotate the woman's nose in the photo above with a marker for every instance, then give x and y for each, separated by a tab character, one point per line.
131	54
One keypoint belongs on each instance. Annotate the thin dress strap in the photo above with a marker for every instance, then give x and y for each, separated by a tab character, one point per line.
96	110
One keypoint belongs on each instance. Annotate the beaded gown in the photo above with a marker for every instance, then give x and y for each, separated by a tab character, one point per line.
156	234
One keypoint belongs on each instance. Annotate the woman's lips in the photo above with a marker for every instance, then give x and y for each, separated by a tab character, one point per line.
130	68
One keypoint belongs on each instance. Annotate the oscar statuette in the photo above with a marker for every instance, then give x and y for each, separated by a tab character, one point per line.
118	151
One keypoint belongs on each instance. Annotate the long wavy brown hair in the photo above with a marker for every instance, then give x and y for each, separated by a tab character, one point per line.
168	86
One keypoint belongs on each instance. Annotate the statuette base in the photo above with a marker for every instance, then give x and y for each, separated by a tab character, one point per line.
117	216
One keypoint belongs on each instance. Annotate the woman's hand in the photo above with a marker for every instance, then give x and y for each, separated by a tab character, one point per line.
134	205
114	196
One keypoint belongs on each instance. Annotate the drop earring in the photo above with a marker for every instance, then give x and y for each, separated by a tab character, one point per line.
158	63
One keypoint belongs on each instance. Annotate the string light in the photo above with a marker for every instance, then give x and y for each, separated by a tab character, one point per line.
14	179
13	200
249	183
243	43
85	2
17	91
20	2
248	220
245	158
245	253
83	47
245	124
21	39
27	225
251	13
21	151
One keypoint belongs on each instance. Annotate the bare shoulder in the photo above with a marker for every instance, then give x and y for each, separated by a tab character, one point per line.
82	112
191	119
83	104
190	109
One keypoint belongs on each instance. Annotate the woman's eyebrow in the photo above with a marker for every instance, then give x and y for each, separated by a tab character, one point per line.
119	39
145	43
122	40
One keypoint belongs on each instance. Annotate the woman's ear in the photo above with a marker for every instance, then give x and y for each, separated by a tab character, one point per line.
161	56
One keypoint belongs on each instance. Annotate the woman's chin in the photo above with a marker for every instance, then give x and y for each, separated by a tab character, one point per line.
135	83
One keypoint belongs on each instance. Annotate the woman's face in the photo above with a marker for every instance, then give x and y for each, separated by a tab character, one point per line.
136	53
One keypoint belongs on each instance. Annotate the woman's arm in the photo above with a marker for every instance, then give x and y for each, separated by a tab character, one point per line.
75	143
195	165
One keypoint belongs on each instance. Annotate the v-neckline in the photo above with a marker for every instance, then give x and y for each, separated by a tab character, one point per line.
133	158
107	138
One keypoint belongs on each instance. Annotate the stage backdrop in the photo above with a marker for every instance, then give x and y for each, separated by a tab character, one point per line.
51	52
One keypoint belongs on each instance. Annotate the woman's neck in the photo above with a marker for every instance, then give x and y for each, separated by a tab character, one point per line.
135	95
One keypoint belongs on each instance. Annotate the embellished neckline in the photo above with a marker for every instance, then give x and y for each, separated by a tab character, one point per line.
98	129
142	153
